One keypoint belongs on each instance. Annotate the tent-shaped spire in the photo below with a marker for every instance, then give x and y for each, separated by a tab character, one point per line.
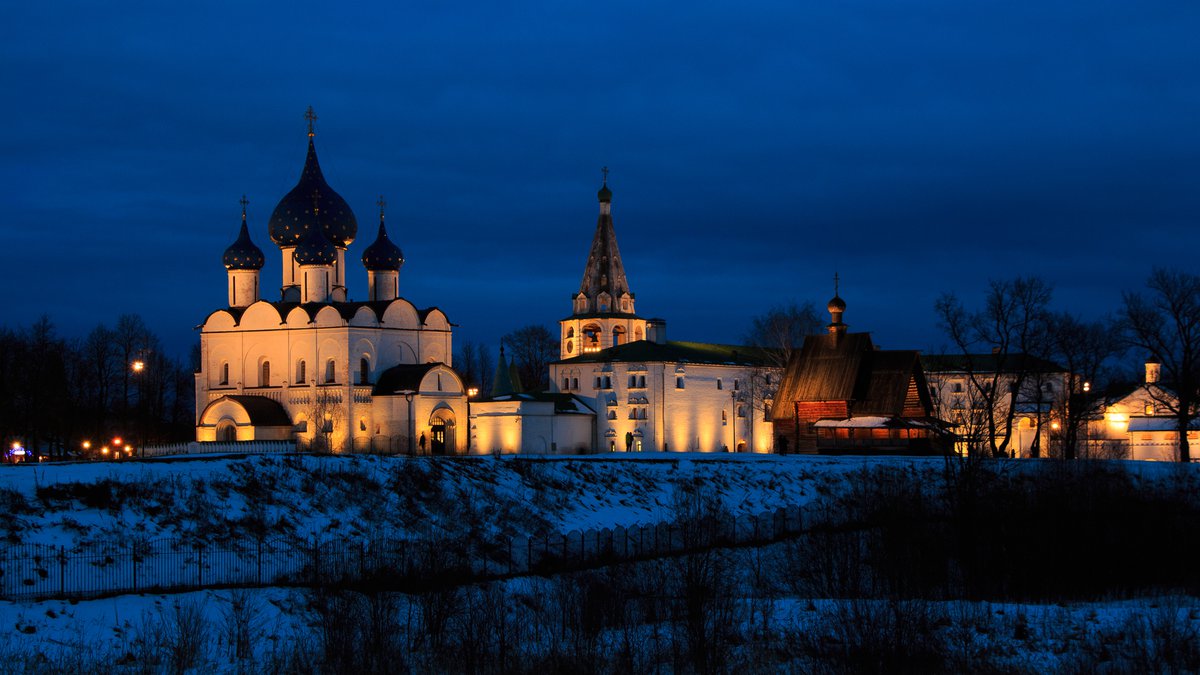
502	381
604	272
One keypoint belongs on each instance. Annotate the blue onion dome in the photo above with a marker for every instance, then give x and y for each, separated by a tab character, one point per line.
243	254
294	213
382	255
314	248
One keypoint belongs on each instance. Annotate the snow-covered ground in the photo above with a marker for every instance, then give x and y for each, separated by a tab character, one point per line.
354	496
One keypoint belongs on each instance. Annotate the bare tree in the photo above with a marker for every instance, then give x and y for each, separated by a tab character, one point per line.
781	331
531	349
1165	323
1083	348
779	334
1010	328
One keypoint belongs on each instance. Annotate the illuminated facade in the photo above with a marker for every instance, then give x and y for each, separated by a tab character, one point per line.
842	395
331	373
956	382
650	394
1140	424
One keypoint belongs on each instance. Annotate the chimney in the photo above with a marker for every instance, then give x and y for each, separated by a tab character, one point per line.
656	331
1153	370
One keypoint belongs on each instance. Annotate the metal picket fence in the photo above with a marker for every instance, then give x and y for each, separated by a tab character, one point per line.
38	571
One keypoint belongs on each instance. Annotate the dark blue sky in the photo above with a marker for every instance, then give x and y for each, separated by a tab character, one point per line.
916	147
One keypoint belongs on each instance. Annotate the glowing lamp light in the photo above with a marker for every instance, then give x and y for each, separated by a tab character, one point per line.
117	440
104	450
87	445
1087	386
473	392
16	445
138	366
1054	426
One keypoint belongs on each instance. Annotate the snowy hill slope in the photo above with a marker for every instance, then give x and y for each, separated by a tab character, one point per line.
294	496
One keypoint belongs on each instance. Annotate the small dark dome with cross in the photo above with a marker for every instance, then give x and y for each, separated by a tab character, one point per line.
382	255
242	254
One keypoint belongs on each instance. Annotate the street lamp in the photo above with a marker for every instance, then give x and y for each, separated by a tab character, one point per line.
138	366
412	427
733	420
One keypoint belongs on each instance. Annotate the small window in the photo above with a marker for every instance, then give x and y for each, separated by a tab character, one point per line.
632	381
612	414
566	383
570	333
301	374
364	371
724	417
735	384
224	373
1149	408
679	383
719	384
575	383
330	371
607	382
264	379
597	385
957	387
642	381
741	411
570	347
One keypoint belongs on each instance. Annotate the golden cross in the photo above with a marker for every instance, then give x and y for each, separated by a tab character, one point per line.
244	202
604	170
311	117
381	203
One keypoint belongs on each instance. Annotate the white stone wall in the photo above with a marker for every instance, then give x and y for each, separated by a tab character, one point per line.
662	416
262	336
528	427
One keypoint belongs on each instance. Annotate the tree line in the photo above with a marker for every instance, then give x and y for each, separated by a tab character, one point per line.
1016	326
58	393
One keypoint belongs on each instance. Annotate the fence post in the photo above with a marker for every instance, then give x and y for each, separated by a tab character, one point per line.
62	570
259	561
133	557
199	565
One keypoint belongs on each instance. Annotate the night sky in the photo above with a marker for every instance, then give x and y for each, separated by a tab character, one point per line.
915	148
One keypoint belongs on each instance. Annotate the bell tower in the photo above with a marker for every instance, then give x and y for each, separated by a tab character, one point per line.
602	314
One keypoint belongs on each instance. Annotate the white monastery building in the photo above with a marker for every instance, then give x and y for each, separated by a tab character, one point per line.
619	385
315	366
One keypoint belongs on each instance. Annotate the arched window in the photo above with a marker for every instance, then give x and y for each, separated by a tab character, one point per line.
719	384
570	333
329	371
301	374
618	335
566	383
224	373
364	371
575	383
265	379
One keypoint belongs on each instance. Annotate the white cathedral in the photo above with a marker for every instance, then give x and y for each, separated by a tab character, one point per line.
337	375
314	366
